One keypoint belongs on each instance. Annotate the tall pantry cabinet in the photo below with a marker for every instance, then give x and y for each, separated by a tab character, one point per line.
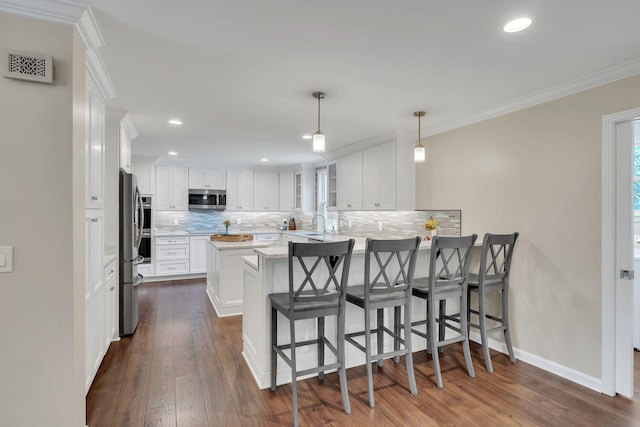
99	299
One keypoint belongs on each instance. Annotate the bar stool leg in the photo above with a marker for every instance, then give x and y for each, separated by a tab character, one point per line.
274	342
342	373
379	335
505	323
464	330
367	340
483	331
434	343
294	382
321	346
407	345
396	332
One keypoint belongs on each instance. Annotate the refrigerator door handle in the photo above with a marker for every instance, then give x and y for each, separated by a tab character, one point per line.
139	280
140	218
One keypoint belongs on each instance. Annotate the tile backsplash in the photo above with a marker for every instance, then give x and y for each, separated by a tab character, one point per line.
357	223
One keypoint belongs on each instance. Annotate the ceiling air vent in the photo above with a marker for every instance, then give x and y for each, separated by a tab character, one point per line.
27	66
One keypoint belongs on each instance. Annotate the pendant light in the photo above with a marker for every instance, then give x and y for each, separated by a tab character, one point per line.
419	153
318	137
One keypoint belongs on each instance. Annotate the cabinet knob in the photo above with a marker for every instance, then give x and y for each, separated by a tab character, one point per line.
94	219
112	288
94	197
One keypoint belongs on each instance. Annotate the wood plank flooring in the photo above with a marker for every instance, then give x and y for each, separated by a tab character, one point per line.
184	367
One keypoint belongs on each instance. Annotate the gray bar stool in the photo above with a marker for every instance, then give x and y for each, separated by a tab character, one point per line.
388	280
448	275
318	292
495	264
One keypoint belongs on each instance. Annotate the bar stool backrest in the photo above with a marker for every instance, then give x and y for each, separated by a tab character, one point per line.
449	261
325	268
495	260
389	266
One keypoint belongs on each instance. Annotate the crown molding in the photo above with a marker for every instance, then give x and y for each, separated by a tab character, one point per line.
98	71
609	75
61	11
88	31
129	126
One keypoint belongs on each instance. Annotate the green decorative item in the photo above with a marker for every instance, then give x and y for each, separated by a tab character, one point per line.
226	223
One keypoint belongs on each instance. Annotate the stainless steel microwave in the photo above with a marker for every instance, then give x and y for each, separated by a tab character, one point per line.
207	199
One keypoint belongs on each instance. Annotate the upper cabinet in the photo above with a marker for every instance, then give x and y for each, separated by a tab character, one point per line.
350	182
332	185
94	146
127	133
379	177
145	175
265	191
207	179
172	191
239	190
286	193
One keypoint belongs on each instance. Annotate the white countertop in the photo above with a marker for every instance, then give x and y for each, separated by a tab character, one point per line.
358	247
248	244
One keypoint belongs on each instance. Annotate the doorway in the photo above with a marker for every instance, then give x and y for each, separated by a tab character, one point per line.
617	253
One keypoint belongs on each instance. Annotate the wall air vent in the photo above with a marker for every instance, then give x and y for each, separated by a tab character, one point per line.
27	66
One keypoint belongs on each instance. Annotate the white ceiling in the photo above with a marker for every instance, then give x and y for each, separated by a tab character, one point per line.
240	73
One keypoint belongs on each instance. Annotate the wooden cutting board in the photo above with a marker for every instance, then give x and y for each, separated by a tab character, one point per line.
232	237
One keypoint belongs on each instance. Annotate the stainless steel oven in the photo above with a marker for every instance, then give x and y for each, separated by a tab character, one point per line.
145	242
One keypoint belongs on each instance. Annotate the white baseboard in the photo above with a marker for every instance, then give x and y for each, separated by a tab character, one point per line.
570	374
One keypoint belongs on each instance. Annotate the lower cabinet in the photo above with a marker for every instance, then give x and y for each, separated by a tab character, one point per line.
172	256
224	279
198	254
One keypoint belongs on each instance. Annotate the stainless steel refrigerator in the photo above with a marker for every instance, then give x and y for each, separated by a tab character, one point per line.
131	225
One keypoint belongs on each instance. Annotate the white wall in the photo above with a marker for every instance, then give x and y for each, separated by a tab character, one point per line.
41	332
537	171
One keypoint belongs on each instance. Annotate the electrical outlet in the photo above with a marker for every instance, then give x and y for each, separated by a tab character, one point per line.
379	225
238	221
176	222
350	224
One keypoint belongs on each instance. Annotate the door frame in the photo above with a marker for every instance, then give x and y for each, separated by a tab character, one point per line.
617	310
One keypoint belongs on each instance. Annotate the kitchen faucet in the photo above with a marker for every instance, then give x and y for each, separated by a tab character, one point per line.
314	222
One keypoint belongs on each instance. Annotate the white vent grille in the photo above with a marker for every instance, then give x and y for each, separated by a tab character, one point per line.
28	66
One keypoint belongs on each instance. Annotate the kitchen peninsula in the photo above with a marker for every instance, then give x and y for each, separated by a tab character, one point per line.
267	271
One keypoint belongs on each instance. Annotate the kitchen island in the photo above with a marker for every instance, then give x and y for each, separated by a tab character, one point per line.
225	272
266	272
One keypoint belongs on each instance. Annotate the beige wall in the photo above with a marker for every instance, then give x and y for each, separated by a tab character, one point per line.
537	171
38	360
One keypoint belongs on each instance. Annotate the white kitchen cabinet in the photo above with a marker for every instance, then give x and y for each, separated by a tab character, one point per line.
286	238
332	185
272	239
265	191
198	254
172	188
286	200
379	177
207	179
111	324
239	190
297	187
224	279
350	182
172	255
95	299
146	177
94	146
125	150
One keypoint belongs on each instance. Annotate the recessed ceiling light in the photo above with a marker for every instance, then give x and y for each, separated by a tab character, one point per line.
264	159
175	122
517	24
306	136
172	153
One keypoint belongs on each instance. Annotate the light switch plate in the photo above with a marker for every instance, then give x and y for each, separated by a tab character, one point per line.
6	255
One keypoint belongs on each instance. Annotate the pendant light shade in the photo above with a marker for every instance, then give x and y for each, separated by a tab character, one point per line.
318	137
318	142
419	153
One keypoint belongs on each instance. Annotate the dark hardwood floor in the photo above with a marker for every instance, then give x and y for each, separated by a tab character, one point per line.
184	367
